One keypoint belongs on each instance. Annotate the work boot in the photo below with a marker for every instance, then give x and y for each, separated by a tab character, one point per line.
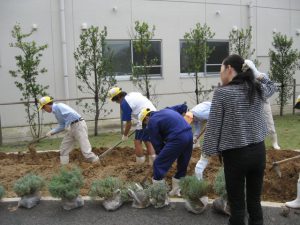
140	160
175	188
275	142
158	181
93	159
296	203
64	160
200	167
151	159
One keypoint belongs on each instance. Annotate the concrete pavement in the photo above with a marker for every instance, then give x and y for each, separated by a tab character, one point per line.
51	213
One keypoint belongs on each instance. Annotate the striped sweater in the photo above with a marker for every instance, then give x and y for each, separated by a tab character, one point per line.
233	122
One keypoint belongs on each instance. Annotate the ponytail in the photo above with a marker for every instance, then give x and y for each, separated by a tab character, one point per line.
244	76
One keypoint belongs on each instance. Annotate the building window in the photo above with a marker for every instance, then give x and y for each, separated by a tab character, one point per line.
214	62
124	56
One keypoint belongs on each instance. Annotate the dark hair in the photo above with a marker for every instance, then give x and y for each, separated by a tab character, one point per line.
121	95
245	77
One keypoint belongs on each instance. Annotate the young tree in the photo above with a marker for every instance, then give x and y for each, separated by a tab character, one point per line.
284	61
27	71
143	64
240	43
197	52
94	69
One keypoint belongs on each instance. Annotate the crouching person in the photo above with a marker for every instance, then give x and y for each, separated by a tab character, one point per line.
172	139
69	118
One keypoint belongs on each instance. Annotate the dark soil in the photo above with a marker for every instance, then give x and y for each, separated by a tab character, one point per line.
121	163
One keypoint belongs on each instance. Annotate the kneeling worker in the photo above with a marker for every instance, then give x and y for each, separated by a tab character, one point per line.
172	139
68	118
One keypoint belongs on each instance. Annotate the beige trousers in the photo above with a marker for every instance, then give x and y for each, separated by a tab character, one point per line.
269	118
78	132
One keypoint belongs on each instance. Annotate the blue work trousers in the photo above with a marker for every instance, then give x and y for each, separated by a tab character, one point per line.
179	148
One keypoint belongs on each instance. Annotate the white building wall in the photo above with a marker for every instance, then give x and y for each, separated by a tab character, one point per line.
172	20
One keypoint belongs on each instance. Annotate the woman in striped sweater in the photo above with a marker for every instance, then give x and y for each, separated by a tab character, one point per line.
236	130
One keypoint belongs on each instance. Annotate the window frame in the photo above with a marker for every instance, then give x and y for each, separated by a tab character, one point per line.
204	73
126	77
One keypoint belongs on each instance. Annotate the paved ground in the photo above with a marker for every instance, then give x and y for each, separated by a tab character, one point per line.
51	213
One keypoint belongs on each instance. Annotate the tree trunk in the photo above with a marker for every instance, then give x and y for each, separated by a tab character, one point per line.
281	100
197	90
96	115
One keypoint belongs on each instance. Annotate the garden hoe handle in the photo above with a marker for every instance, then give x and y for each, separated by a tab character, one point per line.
286	160
149	172
36	140
110	149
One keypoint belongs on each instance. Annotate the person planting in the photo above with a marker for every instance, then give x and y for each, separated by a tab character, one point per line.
68	119
172	139
131	105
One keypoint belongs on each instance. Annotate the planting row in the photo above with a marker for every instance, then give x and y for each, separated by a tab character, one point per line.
114	192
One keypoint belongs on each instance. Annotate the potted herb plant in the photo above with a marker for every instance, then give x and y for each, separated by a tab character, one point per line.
194	192
28	188
111	189
2	192
139	195
220	204
158	194
66	185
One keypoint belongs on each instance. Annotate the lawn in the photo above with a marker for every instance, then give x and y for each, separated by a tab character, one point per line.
287	127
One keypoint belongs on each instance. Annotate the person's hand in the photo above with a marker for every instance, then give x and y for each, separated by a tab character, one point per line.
49	134
68	128
124	137
251	65
195	140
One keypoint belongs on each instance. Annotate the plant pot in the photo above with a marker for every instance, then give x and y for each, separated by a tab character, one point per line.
113	203
140	198
69	204
29	201
221	205
196	206
159	203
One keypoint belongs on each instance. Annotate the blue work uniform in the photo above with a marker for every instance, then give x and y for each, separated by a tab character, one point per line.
131	105
181	108
172	138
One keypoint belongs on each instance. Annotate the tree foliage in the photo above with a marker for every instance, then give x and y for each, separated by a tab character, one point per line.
240	43
94	69
284	61
198	51
28	63
142	45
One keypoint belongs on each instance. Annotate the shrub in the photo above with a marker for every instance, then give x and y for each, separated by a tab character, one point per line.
158	191
192	188
2	192
66	184
29	184
220	185
106	188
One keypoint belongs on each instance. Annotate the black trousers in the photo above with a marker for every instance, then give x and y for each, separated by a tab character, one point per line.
245	166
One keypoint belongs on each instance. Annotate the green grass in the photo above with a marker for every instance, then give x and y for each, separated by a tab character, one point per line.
287	127
102	140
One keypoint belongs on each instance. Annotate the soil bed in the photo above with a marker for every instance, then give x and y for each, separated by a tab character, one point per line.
121	163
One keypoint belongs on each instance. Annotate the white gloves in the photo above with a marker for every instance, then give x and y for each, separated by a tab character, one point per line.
195	140
49	134
124	138
200	167
68	128
252	67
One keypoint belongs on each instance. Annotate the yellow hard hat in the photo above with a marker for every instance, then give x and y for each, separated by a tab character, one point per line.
44	101
113	92
144	112
189	117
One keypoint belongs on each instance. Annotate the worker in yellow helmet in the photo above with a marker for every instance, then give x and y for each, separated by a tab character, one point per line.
131	105
68	118
172	139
